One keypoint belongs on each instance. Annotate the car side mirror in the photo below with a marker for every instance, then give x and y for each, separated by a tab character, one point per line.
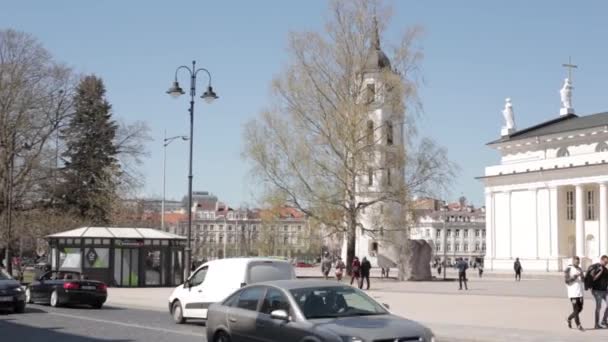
388	307
280	315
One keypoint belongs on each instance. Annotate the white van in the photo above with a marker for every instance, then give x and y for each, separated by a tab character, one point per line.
217	279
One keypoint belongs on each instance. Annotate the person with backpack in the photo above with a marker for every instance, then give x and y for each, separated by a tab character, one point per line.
573	275
597	280
518	269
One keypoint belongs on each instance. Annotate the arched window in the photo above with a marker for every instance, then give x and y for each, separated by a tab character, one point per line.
601	147
563	152
370	132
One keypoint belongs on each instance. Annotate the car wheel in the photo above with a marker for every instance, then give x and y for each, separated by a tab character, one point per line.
177	313
97	305
221	337
55	299
28	296
20	307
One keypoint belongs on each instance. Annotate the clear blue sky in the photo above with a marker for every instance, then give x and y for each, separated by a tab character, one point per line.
477	53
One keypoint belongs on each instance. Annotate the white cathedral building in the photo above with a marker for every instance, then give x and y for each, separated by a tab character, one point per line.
547	199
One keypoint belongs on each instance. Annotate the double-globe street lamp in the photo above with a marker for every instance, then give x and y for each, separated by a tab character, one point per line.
209	96
166	142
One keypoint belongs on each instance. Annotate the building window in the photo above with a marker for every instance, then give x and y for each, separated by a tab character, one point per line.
388	176
438	233
448	248
477	247
476	232
483	233
457	233
483	247
389	133
437	247
570	206
590	206
466	247
457	247
563	152
229	227
370	176
427	233
466	233
601	147
370	132
449	233
371	93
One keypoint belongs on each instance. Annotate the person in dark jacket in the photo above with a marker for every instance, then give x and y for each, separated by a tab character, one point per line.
365	268
462	267
599	289
517	268
355	270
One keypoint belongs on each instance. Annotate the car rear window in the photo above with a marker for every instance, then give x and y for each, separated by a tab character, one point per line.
269	270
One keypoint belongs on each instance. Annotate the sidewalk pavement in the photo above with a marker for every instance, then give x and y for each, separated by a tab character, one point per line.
493	309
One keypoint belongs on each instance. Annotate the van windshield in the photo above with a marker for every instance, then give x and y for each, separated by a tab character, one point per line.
269	270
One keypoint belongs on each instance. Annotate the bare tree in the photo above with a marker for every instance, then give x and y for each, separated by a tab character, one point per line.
131	139
337	143
34	101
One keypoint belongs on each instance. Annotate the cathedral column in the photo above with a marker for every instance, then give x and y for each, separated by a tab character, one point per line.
554	222
603	218
489	225
580	221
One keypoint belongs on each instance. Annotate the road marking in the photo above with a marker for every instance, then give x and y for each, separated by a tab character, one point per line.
130	325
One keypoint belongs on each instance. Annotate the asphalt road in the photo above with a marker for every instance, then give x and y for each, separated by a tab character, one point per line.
43	323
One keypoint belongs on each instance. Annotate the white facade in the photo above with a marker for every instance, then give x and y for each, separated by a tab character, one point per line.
547	199
453	233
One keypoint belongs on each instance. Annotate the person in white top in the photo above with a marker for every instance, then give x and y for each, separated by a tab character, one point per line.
574	283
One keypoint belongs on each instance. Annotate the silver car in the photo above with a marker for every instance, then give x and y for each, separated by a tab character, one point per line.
307	311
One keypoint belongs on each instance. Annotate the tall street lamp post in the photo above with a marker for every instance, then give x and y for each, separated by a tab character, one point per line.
209	96
166	142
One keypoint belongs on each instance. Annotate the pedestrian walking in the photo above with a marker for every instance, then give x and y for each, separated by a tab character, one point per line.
574	283
366	266
597	280
326	265
480	269
462	267
439	270
355	270
340	266
518	269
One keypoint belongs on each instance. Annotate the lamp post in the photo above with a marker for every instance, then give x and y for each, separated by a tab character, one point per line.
166	142
209	96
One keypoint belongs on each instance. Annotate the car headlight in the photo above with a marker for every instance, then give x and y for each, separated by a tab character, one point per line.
351	339
18	289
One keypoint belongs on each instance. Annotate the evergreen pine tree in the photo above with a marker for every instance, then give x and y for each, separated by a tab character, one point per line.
91	167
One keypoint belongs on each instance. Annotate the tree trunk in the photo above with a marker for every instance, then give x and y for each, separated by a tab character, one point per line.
350	244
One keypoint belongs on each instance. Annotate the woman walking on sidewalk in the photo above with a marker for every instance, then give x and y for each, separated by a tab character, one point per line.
574	283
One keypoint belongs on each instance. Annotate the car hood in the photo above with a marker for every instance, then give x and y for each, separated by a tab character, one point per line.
8	284
372	328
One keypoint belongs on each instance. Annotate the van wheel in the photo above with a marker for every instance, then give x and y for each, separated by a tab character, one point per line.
221	337
177	313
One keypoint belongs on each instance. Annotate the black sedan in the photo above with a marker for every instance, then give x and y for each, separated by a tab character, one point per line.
12	295
59	288
312	311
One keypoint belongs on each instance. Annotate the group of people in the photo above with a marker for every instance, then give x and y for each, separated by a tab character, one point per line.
360	270
596	280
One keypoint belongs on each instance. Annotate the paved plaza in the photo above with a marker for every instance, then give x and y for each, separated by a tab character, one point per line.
496	308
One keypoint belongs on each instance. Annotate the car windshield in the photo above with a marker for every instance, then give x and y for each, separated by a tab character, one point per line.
335	301
4	275
62	275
